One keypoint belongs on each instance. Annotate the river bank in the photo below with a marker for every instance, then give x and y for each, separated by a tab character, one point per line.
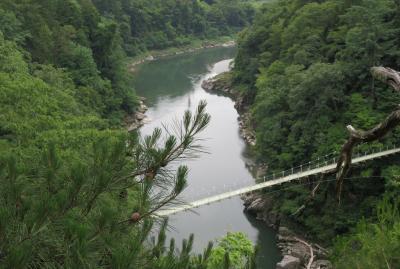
138	118
296	251
222	84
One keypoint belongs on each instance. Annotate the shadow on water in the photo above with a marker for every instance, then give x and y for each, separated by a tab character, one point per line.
268	253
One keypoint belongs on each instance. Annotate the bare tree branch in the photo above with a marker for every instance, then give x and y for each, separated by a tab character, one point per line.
312	194
312	256
392	78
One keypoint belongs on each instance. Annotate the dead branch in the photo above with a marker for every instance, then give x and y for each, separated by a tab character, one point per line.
321	249
392	78
312	256
312	194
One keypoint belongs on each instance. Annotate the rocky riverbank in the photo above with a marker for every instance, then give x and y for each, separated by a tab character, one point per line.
297	253
162	54
138	118
221	84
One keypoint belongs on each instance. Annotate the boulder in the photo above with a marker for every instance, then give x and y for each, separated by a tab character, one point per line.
284	231
142	108
256	206
321	264
261	170
288	262
134	126
248	198
300	251
208	84
240	103
140	116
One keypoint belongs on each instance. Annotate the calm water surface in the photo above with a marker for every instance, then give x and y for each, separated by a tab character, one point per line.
173	85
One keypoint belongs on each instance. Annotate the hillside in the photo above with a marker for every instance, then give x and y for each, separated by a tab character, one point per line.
77	190
304	69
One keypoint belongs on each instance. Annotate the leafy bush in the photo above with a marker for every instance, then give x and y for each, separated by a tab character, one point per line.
234	250
372	244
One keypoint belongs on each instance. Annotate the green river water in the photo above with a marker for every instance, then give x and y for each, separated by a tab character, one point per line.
172	85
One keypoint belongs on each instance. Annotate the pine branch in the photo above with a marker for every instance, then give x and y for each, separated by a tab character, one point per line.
188	129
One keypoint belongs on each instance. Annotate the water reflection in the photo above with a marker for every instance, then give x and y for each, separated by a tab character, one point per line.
173	76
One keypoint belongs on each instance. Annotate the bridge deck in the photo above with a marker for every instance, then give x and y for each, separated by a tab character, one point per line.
270	183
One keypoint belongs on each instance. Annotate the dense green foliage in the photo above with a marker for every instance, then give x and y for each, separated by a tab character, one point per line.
38	105
97	211
74	37
374	245
233	251
77	212
78	191
305	66
159	24
89	40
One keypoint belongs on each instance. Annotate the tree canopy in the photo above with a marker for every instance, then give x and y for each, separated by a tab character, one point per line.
78	191
305	66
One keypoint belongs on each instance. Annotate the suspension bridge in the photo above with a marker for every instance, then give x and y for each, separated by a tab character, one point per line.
321	165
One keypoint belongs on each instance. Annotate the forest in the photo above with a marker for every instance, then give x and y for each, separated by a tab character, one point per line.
304	69
77	190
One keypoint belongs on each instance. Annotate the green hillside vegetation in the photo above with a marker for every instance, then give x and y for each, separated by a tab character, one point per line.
77	191
91	39
304	66
38	105
76	188
77	194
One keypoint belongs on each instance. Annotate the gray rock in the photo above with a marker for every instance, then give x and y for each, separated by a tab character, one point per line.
256	206
261	170
142	108
140	116
134	126
301	251
288	262
208	84
284	231
321	264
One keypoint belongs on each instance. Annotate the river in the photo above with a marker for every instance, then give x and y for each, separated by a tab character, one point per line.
173	85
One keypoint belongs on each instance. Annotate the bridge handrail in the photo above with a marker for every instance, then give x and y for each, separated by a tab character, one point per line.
273	180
